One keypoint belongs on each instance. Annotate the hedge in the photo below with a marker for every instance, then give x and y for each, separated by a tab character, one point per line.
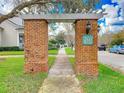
13	48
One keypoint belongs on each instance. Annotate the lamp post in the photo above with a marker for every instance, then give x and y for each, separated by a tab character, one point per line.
88	27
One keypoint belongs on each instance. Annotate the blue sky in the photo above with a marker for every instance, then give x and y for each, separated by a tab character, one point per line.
103	2
114	20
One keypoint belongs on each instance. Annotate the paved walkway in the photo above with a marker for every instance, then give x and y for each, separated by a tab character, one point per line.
61	78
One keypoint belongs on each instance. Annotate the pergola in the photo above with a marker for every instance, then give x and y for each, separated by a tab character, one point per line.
36	41
70	17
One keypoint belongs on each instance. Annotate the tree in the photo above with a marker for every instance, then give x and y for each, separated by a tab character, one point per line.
79	5
53	41
70	6
69	34
118	39
105	38
15	11
60	38
52	44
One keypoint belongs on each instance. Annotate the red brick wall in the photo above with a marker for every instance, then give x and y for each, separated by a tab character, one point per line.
36	46
86	56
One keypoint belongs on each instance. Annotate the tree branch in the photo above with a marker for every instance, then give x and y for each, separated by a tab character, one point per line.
18	8
74	4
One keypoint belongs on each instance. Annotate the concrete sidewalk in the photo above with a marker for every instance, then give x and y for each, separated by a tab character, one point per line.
61	78
62	66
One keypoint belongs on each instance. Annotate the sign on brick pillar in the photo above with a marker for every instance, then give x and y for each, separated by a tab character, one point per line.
36	46
86	55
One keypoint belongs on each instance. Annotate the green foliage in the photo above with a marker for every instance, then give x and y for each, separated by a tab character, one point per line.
55	43
14	80
61	41
52	44
108	81
14	48
60	38
118	41
52	41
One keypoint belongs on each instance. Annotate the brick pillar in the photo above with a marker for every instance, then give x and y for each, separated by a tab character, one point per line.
36	46
86	56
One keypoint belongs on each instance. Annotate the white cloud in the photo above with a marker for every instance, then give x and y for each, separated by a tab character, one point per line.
116	28
113	16
110	10
110	20
121	5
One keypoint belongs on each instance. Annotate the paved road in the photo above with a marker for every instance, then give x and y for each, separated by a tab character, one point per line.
115	60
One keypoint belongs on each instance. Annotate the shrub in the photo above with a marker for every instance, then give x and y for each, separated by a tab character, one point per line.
52	44
13	48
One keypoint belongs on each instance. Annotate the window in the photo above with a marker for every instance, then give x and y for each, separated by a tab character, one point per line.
21	40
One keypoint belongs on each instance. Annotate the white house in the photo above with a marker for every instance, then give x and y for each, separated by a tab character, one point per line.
12	33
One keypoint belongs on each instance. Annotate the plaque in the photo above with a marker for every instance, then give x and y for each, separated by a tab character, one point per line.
87	39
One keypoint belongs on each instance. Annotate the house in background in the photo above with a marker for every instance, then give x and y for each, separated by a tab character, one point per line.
12	33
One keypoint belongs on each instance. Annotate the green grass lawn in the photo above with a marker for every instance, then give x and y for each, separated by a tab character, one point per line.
69	51
53	52
3	53
13	79
108	81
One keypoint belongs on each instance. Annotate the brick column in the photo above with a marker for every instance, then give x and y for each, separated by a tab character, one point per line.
36	46
86	56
